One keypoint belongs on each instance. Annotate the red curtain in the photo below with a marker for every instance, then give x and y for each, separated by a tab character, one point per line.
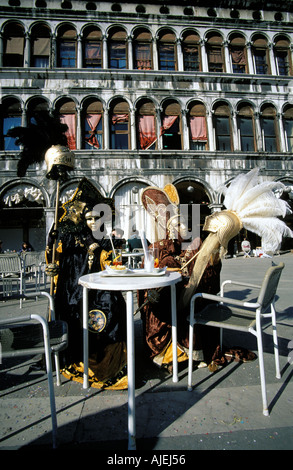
93	121
69	119
118	118
198	128
168	122
238	56
147	131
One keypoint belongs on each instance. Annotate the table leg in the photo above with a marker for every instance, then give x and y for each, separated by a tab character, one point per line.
130	372
85	339
174	332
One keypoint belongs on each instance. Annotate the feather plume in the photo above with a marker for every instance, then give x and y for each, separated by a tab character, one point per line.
41	133
258	208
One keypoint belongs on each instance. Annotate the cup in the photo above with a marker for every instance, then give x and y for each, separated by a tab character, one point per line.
117	258
152	261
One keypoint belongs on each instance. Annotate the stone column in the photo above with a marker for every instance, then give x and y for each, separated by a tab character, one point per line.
79	60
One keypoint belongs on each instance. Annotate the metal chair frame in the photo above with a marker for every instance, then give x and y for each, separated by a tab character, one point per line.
10	271
243	316
47	346
34	263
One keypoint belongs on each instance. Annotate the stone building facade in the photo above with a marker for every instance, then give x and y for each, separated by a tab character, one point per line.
190	93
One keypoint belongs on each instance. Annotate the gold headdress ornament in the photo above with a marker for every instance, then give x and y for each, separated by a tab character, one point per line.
250	204
84	199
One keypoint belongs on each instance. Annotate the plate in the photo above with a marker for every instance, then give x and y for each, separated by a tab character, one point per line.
116	272
133	272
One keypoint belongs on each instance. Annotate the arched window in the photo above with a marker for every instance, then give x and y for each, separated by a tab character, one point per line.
66	110
119	125
146	125
238	53
197	127
283	56
215	53
117	49
40	46
93	125
67	47
222	126
11	112
142	50
246	128
171	126
269	129
191	52
167	51
288	127
13	45
260	55
92	48
35	106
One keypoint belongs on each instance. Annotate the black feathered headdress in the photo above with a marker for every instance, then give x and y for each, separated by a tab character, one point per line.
45	133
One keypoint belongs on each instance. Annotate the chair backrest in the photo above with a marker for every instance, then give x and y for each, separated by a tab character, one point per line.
10	263
269	286
34	258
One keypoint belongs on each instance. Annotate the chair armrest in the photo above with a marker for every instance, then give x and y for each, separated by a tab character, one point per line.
222	299
240	283
49	297
37	294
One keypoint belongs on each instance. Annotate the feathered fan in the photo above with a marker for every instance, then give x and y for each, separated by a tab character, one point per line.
250	204
43	133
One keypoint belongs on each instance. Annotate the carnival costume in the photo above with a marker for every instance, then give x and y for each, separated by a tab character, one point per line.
79	253
163	206
251	204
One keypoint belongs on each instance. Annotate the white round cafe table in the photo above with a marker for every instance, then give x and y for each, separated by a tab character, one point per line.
129	284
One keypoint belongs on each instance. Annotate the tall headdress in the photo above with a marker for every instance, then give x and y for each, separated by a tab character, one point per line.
44	139
250	204
163	207
84	199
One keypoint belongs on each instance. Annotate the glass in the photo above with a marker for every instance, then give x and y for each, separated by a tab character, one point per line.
117	258
152	261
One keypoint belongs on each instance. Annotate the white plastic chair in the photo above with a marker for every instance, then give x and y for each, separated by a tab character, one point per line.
31	334
243	316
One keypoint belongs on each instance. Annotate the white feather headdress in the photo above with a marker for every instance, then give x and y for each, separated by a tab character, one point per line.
250	204
258	208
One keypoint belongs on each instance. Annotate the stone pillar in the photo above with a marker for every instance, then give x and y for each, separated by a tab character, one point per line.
249	58
185	133
180	56
78	128
132	130
130	54
204	59
272	59
79	60
258	133
210	130
105	53
27	50
106	130
227	57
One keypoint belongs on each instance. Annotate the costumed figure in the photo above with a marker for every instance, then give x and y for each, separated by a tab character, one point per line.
44	139
250	204
79	253
162	205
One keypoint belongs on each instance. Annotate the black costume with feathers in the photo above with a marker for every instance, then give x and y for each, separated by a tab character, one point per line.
41	133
